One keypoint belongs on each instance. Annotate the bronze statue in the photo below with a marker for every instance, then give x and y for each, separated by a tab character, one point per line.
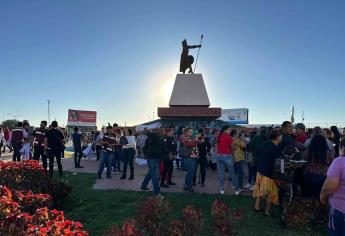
187	60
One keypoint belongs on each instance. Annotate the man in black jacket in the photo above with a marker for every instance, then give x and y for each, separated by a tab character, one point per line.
53	146
154	151
168	162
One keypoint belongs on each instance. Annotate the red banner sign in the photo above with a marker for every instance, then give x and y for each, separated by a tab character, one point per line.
81	118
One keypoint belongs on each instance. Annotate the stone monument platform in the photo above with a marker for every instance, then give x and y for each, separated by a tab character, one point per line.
189	99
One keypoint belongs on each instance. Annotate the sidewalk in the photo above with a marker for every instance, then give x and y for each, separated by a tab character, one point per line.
91	166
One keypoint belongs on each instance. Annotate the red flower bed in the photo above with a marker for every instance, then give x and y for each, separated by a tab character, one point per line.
30	176
14	220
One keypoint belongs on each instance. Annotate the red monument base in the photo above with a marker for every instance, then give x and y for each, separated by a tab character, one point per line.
189	111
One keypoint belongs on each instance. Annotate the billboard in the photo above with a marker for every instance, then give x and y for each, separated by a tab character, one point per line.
235	116
81	118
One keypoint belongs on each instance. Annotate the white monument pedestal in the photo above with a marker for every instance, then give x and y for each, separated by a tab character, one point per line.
189	99
189	90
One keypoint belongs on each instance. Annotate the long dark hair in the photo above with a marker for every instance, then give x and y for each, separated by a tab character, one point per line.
335	131
225	127
318	148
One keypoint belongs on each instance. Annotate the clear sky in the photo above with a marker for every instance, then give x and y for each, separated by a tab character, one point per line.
121	57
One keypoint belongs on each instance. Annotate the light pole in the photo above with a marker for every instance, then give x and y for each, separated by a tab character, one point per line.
48	111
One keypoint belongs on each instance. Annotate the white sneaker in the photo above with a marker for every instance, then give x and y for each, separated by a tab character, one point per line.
247	186
252	188
237	192
222	192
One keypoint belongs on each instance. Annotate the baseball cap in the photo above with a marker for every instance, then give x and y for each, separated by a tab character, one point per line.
300	126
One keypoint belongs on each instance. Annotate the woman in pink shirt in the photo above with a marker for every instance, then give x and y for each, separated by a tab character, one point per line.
333	191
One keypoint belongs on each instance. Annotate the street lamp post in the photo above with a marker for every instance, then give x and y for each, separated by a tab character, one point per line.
48	111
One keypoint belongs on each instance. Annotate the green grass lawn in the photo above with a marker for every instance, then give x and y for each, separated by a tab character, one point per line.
99	210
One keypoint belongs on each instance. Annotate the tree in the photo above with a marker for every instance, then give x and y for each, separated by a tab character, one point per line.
10	123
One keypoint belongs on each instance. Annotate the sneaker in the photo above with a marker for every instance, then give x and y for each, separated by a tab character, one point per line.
222	192
123	177
252	188
79	167
237	192
247	186
164	186
186	189
171	183
144	188
131	178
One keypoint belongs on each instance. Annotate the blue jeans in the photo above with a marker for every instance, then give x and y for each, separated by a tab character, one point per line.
228	162
336	223
239	173
106	159
153	175
189	165
252	173
118	157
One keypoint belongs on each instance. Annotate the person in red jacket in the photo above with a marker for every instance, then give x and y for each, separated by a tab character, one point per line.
225	159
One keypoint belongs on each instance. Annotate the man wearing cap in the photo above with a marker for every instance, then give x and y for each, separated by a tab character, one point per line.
39	135
17	139
107	155
301	136
118	152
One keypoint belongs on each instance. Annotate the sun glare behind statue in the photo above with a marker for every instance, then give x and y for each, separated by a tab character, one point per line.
164	83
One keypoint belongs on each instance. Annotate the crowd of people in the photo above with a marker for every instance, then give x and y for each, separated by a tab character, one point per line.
264	154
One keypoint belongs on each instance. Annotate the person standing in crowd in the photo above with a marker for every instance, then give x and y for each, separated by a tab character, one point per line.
129	153
7	138
78	154
238	147
319	159
54	146
287	136
204	149
318	131
301	136
333	191
141	139
154	151
190	154
180	147
335	139
17	140
226	159
107	155
168	163
118	154
98	143
265	187
39	135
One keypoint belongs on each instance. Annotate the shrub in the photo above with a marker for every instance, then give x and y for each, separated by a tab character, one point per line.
153	219
15	221
153	215
223	220
30	176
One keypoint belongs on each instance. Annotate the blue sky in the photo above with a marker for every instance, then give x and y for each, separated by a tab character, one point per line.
121	57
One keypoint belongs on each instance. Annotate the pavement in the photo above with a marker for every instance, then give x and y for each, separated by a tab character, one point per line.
91	166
